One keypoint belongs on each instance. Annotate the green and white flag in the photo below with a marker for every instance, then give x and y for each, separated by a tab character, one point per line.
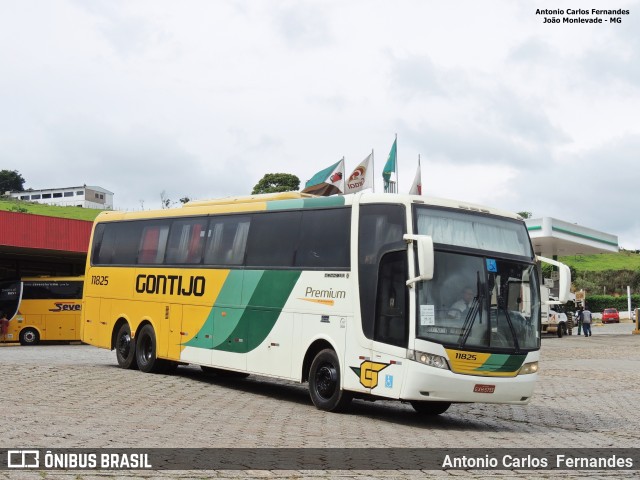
389	173
327	182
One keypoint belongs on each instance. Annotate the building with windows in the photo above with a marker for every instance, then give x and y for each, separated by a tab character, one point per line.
84	196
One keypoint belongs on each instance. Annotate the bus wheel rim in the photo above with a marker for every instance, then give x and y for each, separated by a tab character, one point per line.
326	381
147	349
124	345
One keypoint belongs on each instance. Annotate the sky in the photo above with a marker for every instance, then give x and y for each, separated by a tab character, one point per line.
166	99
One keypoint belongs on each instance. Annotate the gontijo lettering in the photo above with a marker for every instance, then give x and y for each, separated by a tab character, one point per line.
171	285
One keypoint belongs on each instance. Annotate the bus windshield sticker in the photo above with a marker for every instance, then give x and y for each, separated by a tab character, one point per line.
427	315
492	266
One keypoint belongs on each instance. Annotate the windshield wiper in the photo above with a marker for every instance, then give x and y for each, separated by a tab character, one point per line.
472	313
502	306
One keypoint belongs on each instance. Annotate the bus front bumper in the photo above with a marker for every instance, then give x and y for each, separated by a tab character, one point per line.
427	383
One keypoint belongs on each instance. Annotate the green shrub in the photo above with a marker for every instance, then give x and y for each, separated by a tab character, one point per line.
597	303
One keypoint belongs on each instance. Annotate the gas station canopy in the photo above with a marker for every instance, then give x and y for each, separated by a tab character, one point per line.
552	237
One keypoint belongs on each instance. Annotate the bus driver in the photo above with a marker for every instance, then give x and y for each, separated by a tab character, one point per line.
459	308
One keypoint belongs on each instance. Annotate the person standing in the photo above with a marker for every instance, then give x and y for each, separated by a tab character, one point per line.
579	317
4	326
586	322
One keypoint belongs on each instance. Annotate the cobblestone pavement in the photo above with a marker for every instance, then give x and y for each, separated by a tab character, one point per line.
58	396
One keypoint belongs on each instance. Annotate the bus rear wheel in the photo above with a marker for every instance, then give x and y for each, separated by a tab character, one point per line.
145	352
125	348
29	336
430	408
324	383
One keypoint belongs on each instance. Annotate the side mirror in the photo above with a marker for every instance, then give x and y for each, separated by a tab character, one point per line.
425	257
564	278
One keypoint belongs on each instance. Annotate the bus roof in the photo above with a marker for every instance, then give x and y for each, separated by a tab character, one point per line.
293	200
46	278
265	197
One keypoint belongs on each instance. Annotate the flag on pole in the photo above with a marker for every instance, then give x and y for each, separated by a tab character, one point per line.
361	177
328	181
416	188
390	168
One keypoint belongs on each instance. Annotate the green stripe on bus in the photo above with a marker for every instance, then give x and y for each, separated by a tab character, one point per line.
262	311
225	314
245	326
498	362
332	201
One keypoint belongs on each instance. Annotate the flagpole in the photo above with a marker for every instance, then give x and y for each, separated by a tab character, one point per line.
373	169
344	180
397	179
420	170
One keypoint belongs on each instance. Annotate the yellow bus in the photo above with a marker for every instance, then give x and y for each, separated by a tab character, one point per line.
41	309
357	295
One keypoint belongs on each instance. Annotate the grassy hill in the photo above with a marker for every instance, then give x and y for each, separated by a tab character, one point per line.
13	205
605	273
624	260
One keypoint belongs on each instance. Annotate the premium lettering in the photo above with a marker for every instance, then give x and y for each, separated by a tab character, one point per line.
170	285
331	293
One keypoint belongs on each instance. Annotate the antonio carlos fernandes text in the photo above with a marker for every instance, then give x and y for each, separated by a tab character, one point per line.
530	461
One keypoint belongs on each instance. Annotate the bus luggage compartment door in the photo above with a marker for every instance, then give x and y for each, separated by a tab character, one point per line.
95	323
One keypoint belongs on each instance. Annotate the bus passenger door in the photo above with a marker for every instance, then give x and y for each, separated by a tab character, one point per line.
391	330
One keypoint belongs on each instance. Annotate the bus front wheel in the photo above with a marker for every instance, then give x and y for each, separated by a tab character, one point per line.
125	348
324	383
29	336
145	353
430	408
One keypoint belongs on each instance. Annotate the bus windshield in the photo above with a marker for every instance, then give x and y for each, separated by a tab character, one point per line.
478	301
481	232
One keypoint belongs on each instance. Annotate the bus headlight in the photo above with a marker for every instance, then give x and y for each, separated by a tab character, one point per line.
428	359
528	368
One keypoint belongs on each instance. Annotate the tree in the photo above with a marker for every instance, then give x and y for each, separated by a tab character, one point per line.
165	202
525	214
277	182
11	181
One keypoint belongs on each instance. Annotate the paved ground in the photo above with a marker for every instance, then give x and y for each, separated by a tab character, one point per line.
56	396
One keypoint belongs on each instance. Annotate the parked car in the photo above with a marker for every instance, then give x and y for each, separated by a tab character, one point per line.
610	315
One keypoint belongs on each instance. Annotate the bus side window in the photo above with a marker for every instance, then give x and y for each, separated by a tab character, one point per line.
153	244
324	239
273	238
226	240
186	240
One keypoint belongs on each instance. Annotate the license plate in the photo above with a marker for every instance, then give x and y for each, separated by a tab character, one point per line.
480	388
